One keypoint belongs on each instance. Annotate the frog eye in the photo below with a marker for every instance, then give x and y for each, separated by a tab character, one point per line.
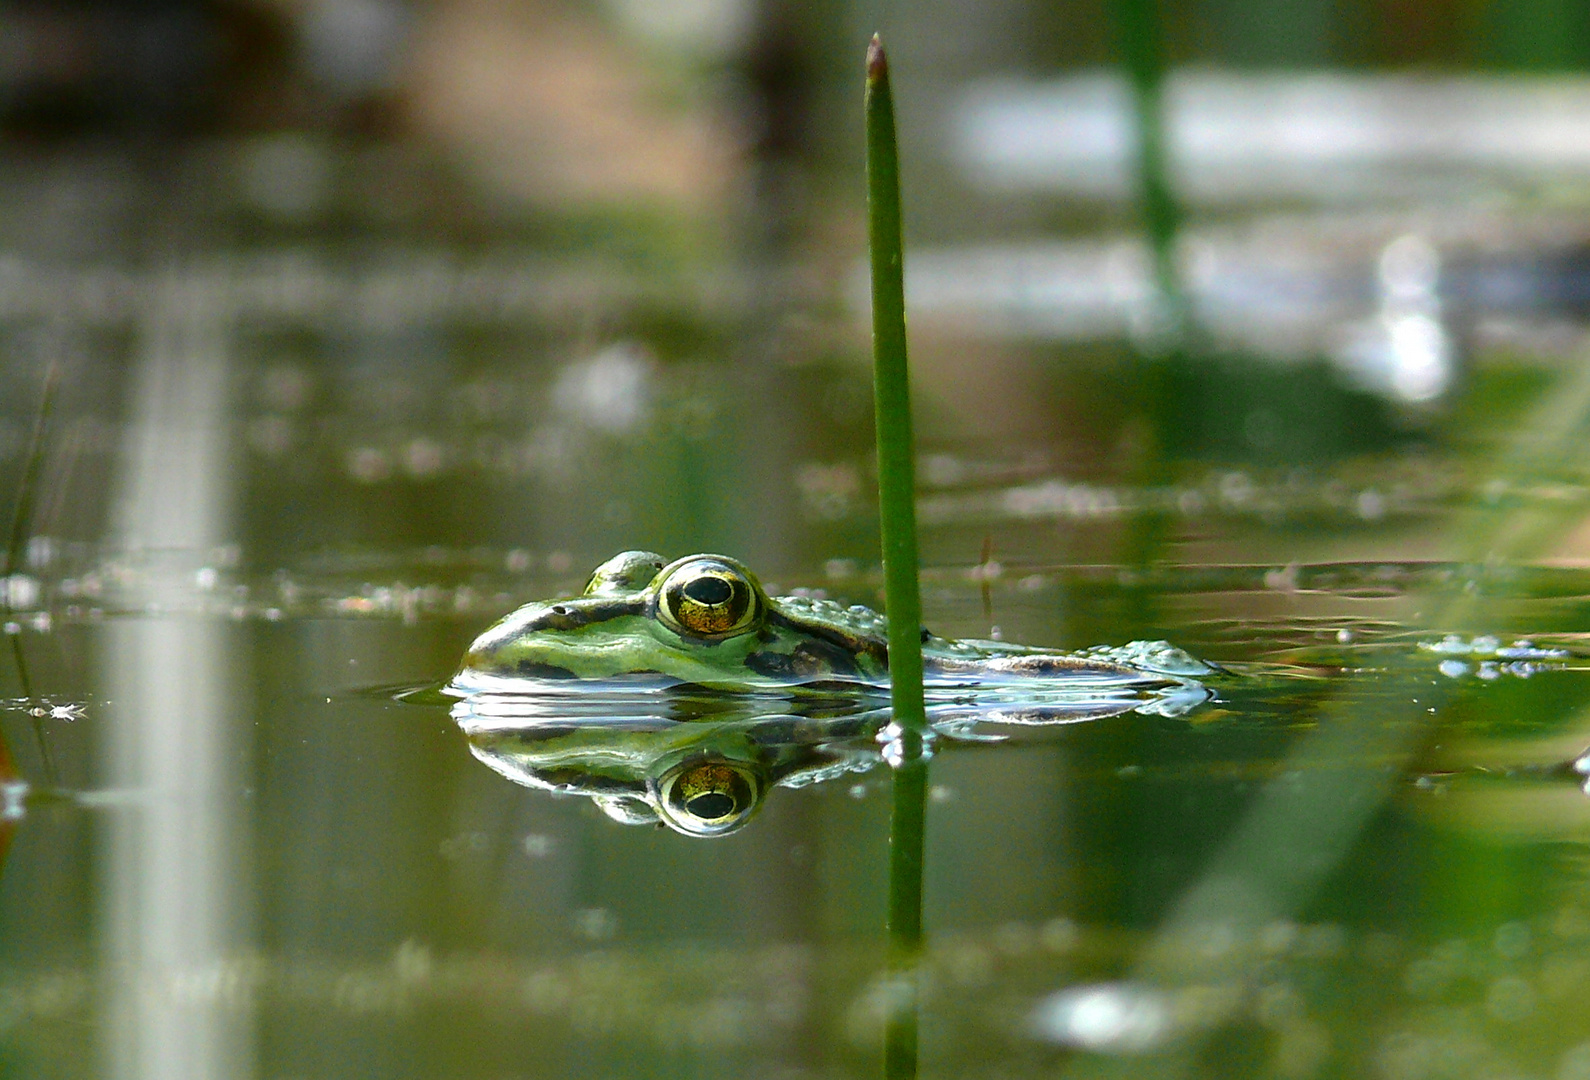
628	571
708	798
707	598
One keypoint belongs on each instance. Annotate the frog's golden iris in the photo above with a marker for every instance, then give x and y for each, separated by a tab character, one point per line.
708	797
706	598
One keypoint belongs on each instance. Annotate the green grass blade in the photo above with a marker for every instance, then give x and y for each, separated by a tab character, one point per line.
892	396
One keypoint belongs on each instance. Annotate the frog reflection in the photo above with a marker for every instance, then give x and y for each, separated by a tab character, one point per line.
702	778
701	762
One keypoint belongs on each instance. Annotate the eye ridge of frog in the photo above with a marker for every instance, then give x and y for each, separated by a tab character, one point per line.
706	620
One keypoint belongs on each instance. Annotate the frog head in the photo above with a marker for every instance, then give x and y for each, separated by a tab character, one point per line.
702	619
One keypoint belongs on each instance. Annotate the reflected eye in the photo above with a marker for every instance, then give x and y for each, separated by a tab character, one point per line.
708	798
708	599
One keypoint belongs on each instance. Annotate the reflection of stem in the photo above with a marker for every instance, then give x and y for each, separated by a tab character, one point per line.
903	599
50	774
983	576
905	918
8	776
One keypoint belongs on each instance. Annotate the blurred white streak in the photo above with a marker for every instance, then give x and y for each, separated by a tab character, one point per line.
403	288
170	891
1327	136
1385	296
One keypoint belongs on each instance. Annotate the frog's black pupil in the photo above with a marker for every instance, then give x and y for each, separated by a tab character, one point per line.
709	590
710	806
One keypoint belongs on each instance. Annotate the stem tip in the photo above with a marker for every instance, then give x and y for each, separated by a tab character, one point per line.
877	62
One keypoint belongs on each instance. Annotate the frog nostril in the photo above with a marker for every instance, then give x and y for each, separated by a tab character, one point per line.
561	609
709	590
710	806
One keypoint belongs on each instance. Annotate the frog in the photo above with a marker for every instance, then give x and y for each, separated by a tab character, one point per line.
705	620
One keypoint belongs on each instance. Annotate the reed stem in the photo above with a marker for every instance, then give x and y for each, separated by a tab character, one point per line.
892	397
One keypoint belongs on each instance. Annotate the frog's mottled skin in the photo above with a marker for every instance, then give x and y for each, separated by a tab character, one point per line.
705	619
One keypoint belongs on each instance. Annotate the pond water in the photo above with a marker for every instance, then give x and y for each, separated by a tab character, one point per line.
245	834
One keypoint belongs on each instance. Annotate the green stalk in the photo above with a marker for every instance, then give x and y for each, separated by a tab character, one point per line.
902	598
892	396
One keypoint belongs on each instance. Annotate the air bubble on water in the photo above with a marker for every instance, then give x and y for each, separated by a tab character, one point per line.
1281	579
1120	1018
19	591
1344	636
1509	999
1453	669
1511	940
41	552
13	800
595	924
1058	935
839	569
368	465
1278	937
857	791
